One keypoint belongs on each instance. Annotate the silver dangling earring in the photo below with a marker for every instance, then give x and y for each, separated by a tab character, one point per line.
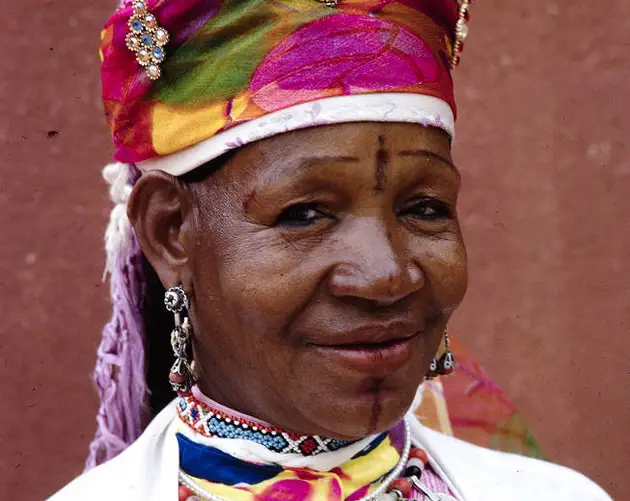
445	365
181	376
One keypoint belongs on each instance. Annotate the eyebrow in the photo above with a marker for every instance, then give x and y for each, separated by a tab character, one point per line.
429	154
281	166
313	161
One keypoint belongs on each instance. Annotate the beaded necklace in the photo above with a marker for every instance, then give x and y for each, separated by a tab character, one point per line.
212	421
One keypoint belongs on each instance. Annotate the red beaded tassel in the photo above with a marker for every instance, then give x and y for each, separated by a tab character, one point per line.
416	464
185	494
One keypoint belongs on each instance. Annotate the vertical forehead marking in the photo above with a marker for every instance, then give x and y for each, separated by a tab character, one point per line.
382	161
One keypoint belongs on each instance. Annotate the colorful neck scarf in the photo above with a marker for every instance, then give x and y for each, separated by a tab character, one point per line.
219	472
222	474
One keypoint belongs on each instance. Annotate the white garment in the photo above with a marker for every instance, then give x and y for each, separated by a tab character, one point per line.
147	471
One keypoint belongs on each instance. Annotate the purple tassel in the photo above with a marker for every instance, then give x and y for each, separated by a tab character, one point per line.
120	366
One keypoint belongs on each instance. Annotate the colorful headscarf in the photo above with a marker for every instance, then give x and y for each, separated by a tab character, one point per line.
235	71
184	81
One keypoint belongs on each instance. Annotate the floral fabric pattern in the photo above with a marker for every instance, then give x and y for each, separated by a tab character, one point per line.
232	61
223	475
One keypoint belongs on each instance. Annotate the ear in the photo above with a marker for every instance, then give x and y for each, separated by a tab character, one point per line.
159	211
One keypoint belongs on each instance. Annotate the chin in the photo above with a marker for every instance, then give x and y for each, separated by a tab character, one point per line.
375	409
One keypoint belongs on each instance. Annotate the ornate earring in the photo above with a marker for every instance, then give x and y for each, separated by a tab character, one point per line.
181	376
444	365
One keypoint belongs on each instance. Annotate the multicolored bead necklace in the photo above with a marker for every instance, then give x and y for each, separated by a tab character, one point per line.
402	488
213	422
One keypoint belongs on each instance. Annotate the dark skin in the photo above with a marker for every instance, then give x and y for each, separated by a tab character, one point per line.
298	242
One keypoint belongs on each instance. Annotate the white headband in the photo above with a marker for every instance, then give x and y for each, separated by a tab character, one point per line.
378	107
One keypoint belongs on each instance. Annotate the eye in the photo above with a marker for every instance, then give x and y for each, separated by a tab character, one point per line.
300	215
428	209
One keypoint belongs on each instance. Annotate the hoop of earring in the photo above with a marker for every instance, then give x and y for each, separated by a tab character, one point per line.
444	365
181	375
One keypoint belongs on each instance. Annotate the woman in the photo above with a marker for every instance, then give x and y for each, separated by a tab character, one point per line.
296	196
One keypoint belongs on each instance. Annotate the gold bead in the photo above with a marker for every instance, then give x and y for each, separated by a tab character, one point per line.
461	29
150	21
153	71
144	56
161	36
132	42
139	8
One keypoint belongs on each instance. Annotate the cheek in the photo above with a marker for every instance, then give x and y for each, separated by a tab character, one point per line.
264	284
445	265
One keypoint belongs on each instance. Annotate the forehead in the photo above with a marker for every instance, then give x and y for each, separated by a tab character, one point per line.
359	140
353	137
354	145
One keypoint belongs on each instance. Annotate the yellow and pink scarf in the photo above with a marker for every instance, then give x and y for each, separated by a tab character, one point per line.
278	65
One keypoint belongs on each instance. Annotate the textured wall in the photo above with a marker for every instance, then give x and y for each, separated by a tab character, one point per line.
543	144
543	94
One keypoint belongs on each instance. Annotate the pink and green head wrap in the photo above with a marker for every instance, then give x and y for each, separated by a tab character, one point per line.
234	72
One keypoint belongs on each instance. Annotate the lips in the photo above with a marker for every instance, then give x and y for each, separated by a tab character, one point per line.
370	334
377	350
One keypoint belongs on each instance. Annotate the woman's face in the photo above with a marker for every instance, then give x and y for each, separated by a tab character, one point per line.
323	267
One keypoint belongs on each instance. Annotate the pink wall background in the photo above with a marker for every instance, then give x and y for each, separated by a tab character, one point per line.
544	96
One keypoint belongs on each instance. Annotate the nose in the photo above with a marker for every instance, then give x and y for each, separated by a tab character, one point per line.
375	266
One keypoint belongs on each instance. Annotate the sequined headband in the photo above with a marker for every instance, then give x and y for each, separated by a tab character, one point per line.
185	80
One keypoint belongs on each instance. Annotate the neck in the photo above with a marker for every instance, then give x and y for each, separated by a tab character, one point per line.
201	397
213	420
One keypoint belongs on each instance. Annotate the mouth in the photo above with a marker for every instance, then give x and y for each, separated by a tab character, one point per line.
377	359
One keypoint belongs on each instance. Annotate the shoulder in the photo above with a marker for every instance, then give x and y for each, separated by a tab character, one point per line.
147	469
500	476
111	480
